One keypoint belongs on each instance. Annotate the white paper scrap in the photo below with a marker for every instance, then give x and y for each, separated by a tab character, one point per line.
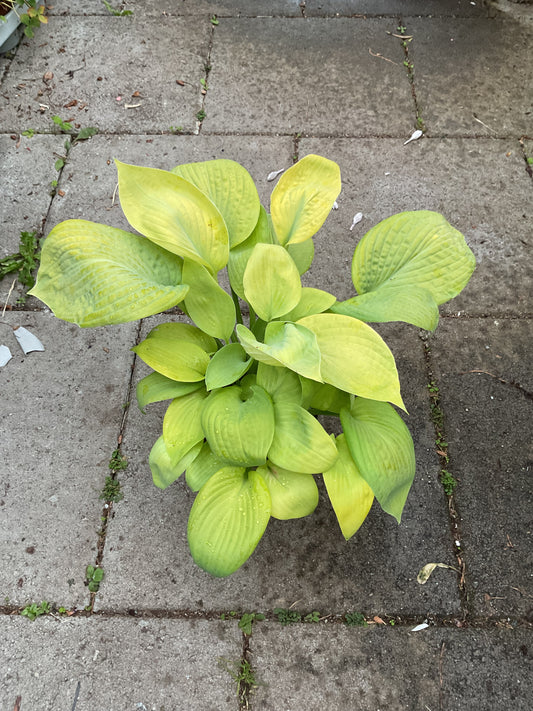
274	174
27	341
5	356
335	205
414	136
356	218
423	626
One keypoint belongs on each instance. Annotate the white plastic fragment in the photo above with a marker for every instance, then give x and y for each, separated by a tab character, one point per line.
418	628
5	356
335	205
27	341
356	218
272	176
414	136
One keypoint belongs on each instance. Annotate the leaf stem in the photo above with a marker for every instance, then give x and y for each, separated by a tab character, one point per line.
237	306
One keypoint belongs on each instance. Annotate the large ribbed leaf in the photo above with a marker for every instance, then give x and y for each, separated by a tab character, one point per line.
413	249
164	469
271	281
303	254
156	387
94	275
382	448
176	359
227	365
303	198
293	495
239	256
177	331
209	306
288	344
230	187
300	442
354	357
182	427
202	468
238	423
350	495
411	304
312	301
174	214
227	520
282	384
323	397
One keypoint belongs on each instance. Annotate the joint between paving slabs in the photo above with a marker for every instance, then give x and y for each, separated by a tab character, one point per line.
447	478
527	154
204	82
405	39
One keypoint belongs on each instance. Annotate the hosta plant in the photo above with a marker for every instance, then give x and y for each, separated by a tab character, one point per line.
254	366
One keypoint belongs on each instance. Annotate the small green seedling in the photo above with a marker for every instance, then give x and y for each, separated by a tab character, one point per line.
246	621
117	462
24	261
64	126
312	616
115	12
34	610
176	129
29	133
214	20
530	160
94	577
111	490
32	18
201	115
203	82
62	610
448	482
287	617
355	619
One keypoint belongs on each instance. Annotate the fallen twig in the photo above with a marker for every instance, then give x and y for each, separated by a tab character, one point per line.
377	54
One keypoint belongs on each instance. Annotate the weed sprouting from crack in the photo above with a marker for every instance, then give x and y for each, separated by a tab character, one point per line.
243	675
401	33
24	262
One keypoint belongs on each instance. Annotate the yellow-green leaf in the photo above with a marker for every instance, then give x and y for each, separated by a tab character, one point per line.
312	301
239	255
182	426
227	520
293	495
227	365
282	384
303	198
209	306
350	495
354	357
156	387
271	281
178	331
177	359
174	214
202	468
165	470
95	275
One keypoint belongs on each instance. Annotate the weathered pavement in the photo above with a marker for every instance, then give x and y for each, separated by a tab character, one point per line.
284	79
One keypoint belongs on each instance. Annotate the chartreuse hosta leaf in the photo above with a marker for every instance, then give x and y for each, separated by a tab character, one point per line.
230	187
182	425
156	387
323	397
176	359
174	214
288	344
227	520
302	254
303	198
94	275
382	448
293	495
393	303
312	301
202	468
227	365
300	442
271	281
350	495
209	306
239	255
238	423
354	357
178	331
281	384
164	469
411	251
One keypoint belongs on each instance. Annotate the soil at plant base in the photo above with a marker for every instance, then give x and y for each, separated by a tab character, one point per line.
5	7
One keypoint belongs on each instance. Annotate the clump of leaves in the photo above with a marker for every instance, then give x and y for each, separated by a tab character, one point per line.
94	577
23	262
118	461
32	16
287	617
244	676
448	482
115	12
257	365
312	616
111	491
355	619
246	621
34	610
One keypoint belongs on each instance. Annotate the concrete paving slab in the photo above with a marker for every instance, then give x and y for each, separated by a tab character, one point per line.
356	669
61	415
454	177
102	76
305	560
402	8
117	663
307	75
165	8
461	78
488	428
27	172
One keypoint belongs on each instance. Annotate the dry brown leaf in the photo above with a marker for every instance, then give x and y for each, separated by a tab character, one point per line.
378	620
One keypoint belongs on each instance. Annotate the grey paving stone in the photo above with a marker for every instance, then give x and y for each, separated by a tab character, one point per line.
117	663
148	564
356	669
488	427
27	172
480	186
127	57
461	76
312	76
403	8
165	8
61	415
